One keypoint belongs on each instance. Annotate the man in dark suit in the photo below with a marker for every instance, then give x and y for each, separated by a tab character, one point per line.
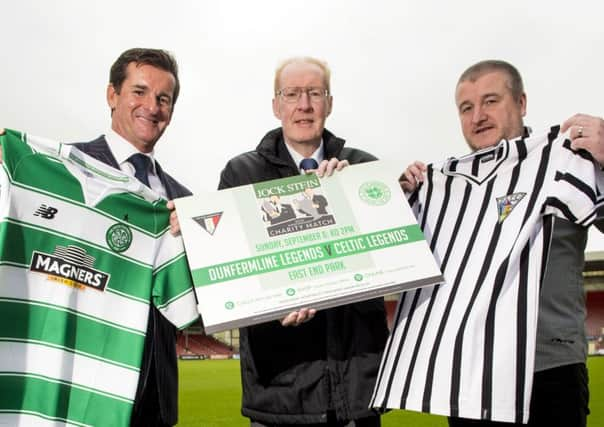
143	88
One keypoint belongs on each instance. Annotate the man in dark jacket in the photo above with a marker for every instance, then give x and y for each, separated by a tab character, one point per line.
143	88
322	371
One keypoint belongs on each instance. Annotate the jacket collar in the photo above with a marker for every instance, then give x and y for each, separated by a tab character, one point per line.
272	146
100	150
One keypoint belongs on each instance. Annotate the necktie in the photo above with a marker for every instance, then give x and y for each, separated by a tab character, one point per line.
141	165
309	163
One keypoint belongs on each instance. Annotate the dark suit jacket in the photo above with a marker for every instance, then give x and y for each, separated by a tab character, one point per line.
158	369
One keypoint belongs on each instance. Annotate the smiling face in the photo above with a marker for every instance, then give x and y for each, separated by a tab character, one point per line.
142	108
488	111
302	121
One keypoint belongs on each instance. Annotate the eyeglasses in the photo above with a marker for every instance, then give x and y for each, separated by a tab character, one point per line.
293	94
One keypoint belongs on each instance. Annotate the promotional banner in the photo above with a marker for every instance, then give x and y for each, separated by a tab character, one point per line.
258	252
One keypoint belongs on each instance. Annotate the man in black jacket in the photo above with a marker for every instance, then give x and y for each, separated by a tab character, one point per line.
322	371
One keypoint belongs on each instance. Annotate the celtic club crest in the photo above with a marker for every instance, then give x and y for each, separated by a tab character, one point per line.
374	193
119	237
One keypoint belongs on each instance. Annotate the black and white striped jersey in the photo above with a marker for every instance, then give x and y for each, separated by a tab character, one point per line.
466	348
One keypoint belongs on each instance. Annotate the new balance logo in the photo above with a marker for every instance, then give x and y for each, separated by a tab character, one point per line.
46	212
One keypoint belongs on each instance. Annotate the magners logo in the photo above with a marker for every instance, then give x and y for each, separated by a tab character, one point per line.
70	265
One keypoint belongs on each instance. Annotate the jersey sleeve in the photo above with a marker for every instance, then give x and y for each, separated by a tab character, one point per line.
576	186
13	149
173	292
417	197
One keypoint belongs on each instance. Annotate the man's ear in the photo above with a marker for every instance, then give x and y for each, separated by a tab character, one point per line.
522	103
276	109
111	97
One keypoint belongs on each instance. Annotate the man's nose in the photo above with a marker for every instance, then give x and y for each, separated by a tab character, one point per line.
478	114
304	101
152	103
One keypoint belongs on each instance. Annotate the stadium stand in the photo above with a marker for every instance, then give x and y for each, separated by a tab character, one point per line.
390	302
594	324
192	343
593	275
205	346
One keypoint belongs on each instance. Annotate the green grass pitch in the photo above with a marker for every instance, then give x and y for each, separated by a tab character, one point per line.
210	396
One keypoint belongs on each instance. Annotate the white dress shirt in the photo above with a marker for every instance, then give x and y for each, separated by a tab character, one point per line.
122	150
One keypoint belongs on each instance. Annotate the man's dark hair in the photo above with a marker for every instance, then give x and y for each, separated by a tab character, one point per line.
480	68
141	56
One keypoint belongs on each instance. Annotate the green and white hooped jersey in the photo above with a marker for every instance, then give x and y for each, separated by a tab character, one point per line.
84	251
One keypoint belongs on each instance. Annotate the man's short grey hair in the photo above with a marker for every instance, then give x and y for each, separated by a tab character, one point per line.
304	60
480	68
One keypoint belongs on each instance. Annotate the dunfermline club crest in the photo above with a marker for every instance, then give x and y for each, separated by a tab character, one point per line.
209	222
506	204
119	237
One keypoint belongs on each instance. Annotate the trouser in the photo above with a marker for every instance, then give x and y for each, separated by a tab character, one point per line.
560	398
373	421
148	413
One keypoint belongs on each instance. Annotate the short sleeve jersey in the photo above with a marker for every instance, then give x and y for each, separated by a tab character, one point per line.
466	348
84	251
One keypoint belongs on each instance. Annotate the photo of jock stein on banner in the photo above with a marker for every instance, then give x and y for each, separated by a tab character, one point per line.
293	204
257	252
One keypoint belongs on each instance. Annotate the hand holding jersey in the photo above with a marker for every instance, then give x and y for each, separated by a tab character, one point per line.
466	348
143	88
587	133
434	362
412	177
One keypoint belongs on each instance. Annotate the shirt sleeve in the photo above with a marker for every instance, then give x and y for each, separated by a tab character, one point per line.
173	292
575	185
